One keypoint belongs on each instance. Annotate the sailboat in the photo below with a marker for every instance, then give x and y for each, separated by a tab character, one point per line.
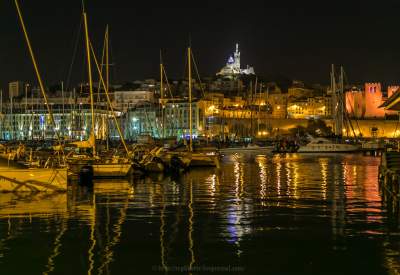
15	177
323	145
111	168
197	159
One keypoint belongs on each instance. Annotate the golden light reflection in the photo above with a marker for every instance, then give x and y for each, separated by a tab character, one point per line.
162	232
235	213
37	204
211	183
323	163
296	176
288	178
191	214
56	250
117	230
278	178
92	237
262	163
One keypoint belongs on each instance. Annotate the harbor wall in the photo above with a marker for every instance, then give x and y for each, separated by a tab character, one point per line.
368	128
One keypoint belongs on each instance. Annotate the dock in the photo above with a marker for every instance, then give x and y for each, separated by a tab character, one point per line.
389	176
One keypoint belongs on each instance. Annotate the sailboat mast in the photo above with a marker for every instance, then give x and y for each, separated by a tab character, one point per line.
108	99
39	78
341	99
190	101
90	81
335	100
162	96
107	81
107	58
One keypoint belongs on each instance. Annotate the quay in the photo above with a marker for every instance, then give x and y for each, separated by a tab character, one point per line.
389	176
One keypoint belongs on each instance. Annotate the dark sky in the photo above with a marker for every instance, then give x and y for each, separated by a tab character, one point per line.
298	40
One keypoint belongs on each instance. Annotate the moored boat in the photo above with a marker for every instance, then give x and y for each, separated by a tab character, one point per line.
323	145
33	179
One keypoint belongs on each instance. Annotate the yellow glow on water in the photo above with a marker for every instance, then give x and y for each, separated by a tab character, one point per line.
323	162
56	251
289	177
296	176
162	233
190	233
263	177
92	237
278	177
211	181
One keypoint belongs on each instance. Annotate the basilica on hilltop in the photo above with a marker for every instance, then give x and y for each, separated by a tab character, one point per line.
232	68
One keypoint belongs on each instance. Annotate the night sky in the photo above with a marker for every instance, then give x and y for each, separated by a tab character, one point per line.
279	38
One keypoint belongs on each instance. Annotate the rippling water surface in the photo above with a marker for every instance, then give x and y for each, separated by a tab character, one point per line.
296	214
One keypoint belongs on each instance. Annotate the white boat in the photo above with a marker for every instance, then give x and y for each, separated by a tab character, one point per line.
323	145
247	149
33	179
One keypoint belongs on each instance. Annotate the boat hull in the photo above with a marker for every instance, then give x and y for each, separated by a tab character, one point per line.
255	150
335	148
111	170
202	160
33	180
102	170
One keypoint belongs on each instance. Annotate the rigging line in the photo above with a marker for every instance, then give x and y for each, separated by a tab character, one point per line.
68	83
168	86
170	93
108	99
198	75
39	77
111	56
185	67
102	62
355	118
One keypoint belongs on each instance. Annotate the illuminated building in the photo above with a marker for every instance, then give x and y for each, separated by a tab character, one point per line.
312	107
366	103
232	67
72	121
146	119
125	99
15	89
278	103
298	90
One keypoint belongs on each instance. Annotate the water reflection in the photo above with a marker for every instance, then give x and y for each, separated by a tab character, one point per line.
252	213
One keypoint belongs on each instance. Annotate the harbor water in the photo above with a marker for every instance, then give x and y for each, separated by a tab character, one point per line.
282	214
